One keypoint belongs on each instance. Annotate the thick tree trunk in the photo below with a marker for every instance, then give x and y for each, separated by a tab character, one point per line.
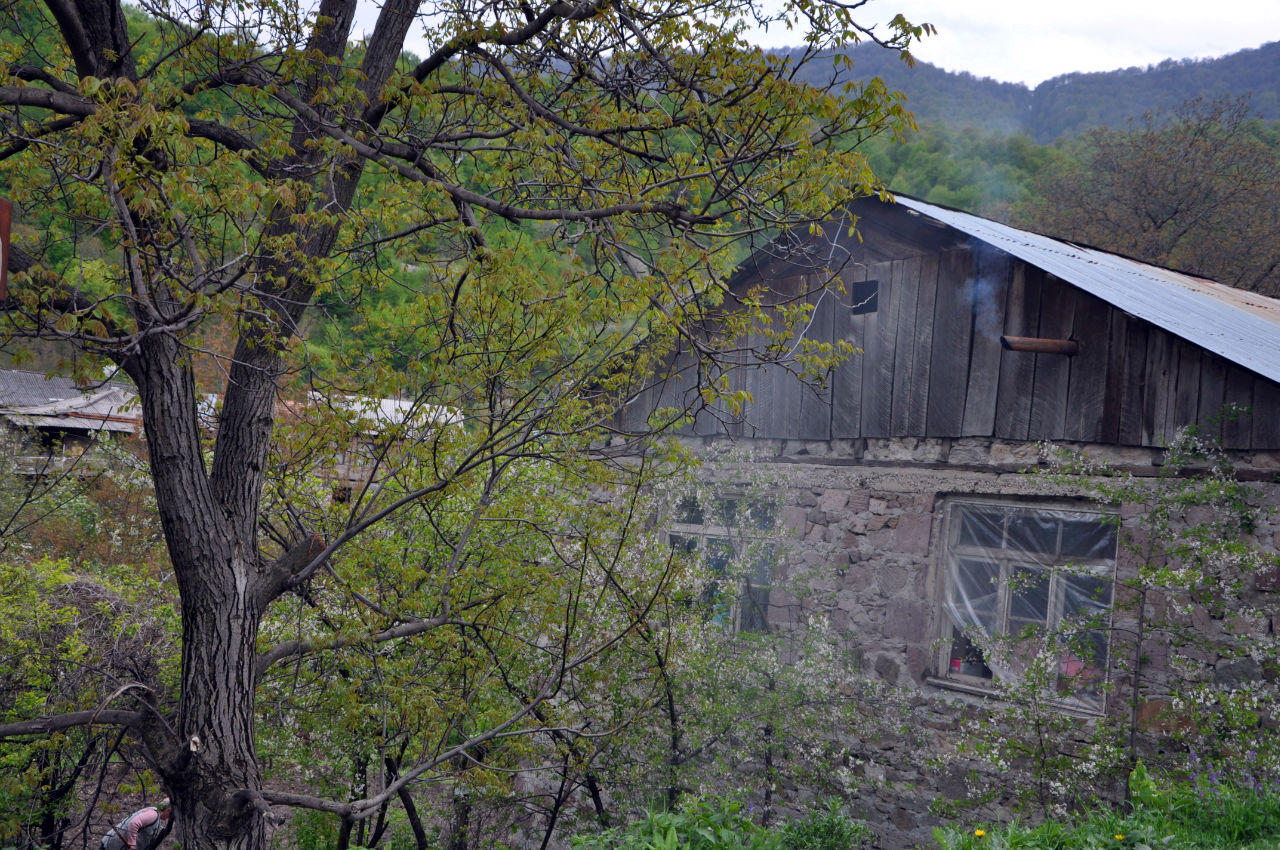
213	776
215	795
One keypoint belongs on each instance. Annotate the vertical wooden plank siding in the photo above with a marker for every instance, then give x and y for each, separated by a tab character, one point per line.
1018	368
760	381
905	375
1053	371
952	334
1237	430
988	295
846	384
813	413
1186	392
930	361
1266	414
1213	388
1113	397
877	366
781	417
1133	399
1159	387
1087	388
917	403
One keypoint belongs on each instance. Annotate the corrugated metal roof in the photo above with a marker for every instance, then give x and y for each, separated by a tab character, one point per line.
1241	326
22	389
31	400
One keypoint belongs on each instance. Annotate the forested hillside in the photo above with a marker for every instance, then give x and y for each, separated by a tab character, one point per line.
1069	104
1196	188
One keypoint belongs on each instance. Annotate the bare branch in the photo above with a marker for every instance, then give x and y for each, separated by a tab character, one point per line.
57	723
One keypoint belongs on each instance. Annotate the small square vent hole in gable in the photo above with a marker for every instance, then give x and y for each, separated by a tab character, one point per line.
866	297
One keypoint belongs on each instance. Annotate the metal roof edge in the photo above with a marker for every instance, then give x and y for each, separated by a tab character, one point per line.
1247	330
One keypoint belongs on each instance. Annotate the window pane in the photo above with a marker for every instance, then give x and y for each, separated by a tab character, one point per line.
688	511
726	511
976	593
762	514
1086	600
981	528
1028	600
1082	669
761	569
684	545
966	657
718	555
1033	533
1088	538
755	609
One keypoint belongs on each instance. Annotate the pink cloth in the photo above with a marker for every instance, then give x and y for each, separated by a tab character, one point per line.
138	822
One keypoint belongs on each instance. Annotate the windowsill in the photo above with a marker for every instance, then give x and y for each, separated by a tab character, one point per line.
963	687
991	694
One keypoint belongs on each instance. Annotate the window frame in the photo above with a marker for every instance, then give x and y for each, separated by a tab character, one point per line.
738	539
950	552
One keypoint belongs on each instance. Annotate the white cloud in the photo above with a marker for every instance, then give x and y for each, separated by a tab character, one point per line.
1032	40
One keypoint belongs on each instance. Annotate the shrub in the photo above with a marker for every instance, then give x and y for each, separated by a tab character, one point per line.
715	823
828	829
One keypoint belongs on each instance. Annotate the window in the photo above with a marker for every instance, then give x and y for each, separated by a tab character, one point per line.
1029	588
731	536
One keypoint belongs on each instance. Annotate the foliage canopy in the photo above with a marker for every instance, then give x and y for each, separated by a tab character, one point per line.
520	228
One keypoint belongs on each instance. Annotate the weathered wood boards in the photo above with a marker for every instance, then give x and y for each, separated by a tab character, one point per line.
931	364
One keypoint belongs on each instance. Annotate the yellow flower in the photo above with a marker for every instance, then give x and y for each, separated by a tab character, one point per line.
979	832
1119	837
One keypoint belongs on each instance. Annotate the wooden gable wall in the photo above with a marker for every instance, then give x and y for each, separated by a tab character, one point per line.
931	362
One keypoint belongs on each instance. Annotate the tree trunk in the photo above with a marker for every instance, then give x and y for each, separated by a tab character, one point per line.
213	775
215	795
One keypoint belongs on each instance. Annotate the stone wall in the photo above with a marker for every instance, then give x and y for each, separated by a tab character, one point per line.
862	521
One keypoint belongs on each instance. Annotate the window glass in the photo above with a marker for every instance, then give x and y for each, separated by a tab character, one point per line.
981	528
1029	532
688	511
977	585
1088	539
726	511
1028	600
1030	585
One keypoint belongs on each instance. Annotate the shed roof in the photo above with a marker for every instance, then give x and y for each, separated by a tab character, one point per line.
33	400
1241	326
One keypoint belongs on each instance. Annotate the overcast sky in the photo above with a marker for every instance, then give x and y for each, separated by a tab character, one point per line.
1029	41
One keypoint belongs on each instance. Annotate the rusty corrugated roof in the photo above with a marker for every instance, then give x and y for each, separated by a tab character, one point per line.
32	400
1241	326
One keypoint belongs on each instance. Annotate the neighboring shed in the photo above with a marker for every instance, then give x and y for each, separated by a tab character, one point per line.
54	419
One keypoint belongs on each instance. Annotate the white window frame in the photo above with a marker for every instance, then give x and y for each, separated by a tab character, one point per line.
968	677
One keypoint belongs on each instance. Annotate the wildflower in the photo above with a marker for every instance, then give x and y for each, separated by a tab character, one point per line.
979	832
1119	836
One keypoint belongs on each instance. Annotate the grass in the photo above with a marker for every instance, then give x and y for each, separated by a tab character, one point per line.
1202	815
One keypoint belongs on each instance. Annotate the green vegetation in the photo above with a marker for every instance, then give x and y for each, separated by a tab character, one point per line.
512	240
717	823
1199	812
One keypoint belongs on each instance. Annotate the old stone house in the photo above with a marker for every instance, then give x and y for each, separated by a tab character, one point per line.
902	487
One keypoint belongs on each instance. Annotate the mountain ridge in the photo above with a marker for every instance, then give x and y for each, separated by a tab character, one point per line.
1068	104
